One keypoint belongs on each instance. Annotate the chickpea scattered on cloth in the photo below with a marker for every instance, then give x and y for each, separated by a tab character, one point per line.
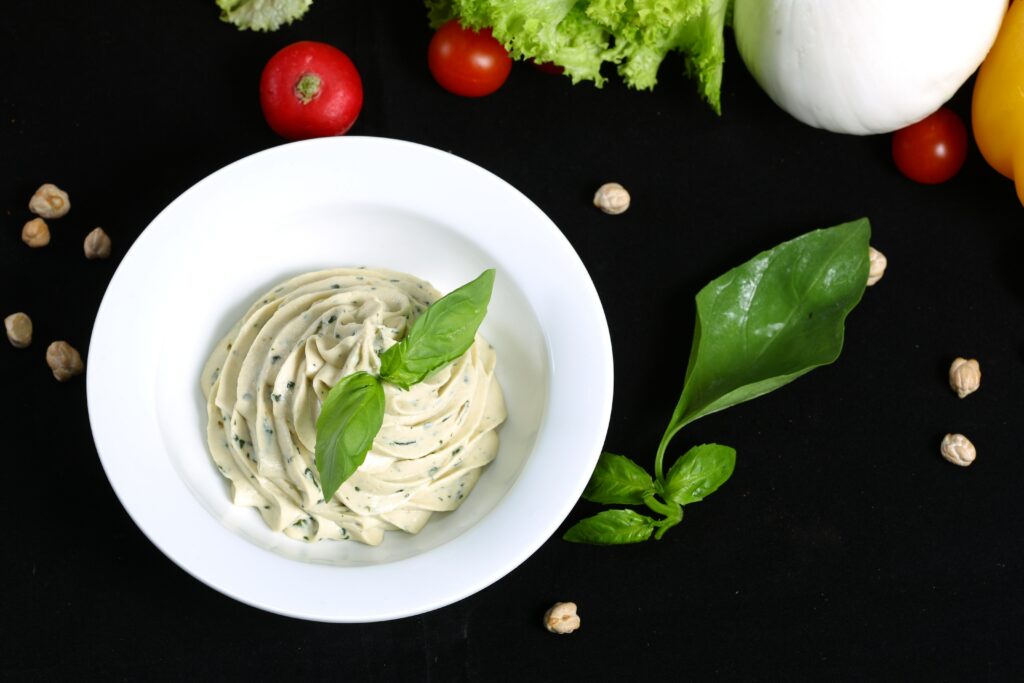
612	198
36	233
19	330
958	449
562	618
97	244
49	201
964	376
876	268
64	360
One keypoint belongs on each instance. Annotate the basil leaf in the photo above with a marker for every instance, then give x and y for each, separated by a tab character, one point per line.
772	319
349	420
443	333
617	479
611	527
699	473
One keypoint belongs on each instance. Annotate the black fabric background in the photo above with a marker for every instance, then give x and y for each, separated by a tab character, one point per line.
844	547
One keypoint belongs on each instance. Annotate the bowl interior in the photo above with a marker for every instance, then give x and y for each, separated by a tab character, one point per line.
323	236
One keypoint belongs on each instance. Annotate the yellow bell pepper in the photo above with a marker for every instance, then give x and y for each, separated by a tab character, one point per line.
997	110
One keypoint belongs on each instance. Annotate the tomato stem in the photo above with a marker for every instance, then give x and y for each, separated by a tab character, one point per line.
308	87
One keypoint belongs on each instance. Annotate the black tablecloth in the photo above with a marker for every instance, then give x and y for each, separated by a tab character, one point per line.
844	547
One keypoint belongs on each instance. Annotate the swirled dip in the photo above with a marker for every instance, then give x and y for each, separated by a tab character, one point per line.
265	382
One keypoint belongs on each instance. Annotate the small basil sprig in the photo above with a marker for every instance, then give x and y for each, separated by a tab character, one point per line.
353	411
759	326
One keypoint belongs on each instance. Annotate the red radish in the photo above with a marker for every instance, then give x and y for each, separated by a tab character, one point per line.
310	90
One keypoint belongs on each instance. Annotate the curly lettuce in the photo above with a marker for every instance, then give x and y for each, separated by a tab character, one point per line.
582	35
262	15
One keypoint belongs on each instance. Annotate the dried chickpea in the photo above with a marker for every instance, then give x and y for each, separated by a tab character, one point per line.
36	233
64	360
958	449
19	330
562	618
97	244
964	376
876	266
612	198
49	201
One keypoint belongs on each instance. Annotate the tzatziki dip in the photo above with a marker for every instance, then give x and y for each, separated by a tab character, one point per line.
265	381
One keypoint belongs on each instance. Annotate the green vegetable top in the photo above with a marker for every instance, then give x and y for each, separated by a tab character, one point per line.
262	15
581	35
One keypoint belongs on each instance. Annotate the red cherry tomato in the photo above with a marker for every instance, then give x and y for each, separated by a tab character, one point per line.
467	62
932	150
310	90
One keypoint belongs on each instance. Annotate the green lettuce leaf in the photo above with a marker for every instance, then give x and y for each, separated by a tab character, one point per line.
556	31
705	51
583	35
262	15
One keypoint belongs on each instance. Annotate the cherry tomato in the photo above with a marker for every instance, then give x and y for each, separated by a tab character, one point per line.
310	90
932	150
467	62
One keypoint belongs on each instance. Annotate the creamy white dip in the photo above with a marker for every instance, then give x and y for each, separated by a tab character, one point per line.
265	381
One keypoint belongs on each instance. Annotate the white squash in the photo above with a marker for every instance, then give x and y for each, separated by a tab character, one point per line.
864	66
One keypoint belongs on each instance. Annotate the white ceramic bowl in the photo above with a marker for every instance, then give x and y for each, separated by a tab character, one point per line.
343	202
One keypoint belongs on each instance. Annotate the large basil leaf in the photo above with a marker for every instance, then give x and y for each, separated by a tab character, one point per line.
349	420
618	480
443	333
699	473
611	527
772	319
